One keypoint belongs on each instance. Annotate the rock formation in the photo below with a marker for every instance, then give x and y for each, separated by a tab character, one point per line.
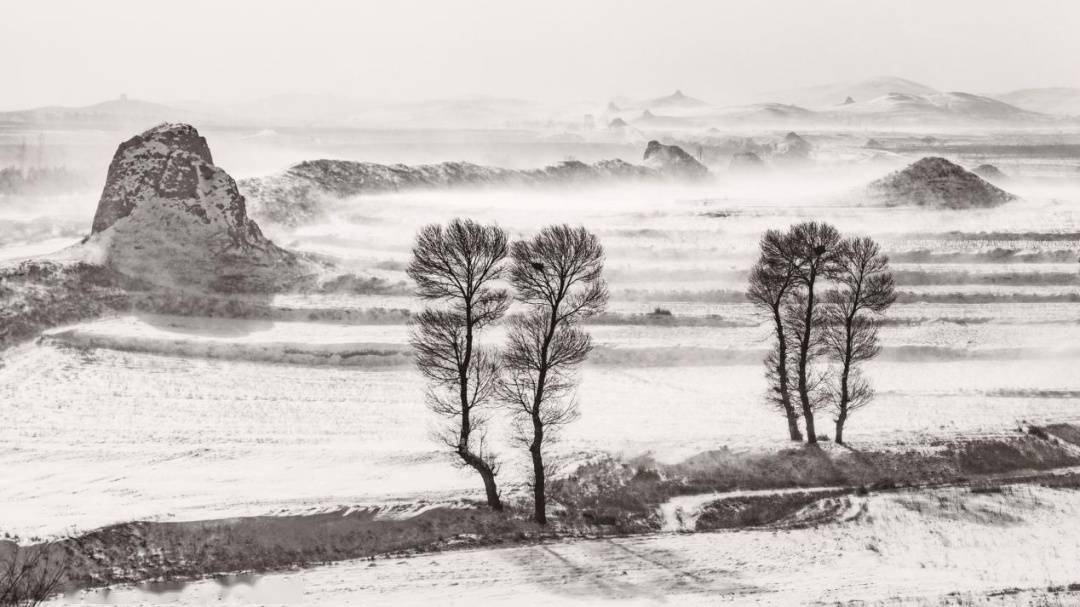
303	192
672	162
989	172
169	216
746	161
793	148
936	182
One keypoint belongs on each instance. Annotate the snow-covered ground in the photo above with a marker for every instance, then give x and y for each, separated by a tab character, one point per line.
101	435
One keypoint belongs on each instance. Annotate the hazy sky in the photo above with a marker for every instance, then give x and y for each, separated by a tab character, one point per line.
79	52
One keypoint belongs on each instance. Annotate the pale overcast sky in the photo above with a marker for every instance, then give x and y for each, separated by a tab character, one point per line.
79	52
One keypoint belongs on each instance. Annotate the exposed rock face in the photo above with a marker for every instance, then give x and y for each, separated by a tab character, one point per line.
304	192
746	161
169	216
989	172
155	163
936	182
793	148
673	162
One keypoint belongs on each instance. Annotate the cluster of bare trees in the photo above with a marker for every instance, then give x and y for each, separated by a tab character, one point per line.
825	295
556	279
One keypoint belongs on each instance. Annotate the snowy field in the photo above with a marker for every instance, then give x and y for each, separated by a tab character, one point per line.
173	418
165	418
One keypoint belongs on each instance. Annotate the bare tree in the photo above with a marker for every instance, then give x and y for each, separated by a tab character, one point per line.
771	282
30	575
814	248
865	289
459	265
558	276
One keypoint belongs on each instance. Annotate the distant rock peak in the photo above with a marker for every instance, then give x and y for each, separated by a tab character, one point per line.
937	182
673	161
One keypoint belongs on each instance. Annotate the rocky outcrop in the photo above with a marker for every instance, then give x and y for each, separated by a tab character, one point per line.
989	172
746	161
673	162
305	192
793	148
936	182
169	216
162	162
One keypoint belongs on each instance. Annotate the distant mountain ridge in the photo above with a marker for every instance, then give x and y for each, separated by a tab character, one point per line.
879	100
934	107
299	194
825	96
121	112
1060	101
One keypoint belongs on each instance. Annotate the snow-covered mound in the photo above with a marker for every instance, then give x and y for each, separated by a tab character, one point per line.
168	216
936	182
302	192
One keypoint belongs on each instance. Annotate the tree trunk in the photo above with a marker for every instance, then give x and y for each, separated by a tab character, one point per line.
782	375
539	496
804	354
486	473
841	416
493	499
793	425
464	449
